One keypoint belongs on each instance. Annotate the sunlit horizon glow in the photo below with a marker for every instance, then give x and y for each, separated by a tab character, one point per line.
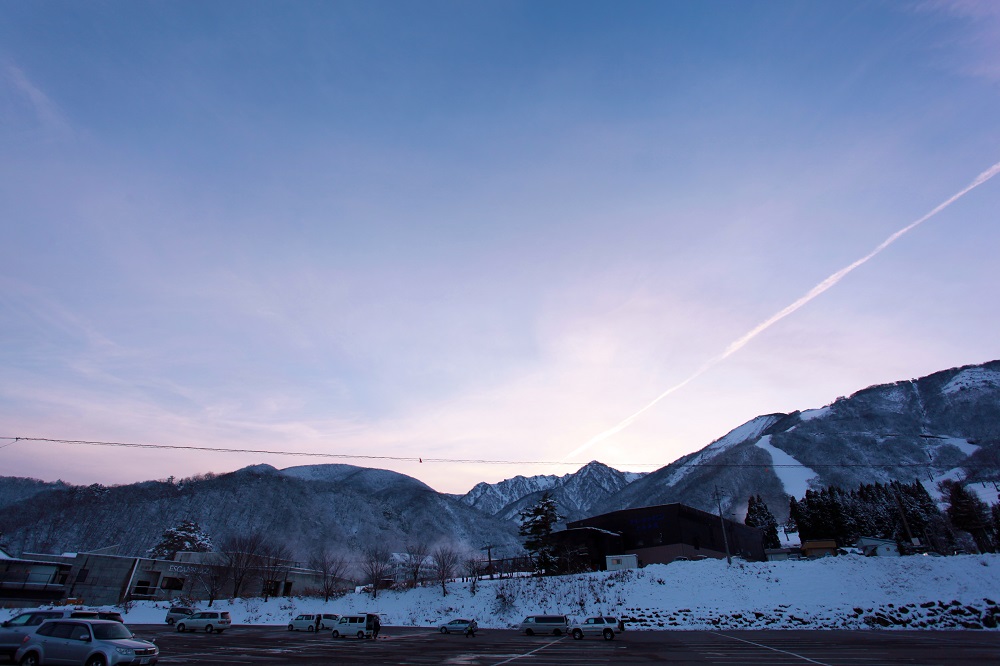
829	282
479	232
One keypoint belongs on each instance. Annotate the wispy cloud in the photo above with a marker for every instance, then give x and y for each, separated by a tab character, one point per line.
31	105
979	41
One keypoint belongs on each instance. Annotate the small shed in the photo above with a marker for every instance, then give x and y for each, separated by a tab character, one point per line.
782	554
819	548
619	562
872	547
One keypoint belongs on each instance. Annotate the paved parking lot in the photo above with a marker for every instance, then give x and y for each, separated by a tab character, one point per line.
407	645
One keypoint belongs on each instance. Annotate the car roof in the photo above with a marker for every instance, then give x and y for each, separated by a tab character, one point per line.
84	620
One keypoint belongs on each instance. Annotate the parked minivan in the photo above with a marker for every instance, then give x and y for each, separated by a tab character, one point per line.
557	625
363	625
217	621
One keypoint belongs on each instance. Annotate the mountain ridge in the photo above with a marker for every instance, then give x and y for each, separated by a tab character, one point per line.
945	425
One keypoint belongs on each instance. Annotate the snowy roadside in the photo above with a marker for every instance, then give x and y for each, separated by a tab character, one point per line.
837	592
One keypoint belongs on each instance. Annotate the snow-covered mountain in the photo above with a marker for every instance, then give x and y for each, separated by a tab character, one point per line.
945	425
575	494
340	507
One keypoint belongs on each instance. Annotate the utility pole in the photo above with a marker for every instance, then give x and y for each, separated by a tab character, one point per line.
902	511
489	555
722	522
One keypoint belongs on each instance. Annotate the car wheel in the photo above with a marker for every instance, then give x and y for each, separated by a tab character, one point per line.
444	630
180	627
609	635
291	627
170	620
361	634
336	634
310	628
577	634
557	632
30	659
209	628
96	660
529	632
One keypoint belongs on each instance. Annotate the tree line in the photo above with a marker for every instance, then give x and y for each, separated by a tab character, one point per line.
254	564
903	512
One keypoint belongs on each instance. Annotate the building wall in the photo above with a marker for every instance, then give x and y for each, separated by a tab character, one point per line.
660	534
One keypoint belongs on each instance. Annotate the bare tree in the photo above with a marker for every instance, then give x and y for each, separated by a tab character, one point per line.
332	567
474	567
376	565
445	563
275	561
416	557
241	557
212	578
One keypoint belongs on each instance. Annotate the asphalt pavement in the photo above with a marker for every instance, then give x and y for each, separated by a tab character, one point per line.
493	647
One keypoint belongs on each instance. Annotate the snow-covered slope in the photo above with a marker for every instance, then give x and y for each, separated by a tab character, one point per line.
840	592
945	425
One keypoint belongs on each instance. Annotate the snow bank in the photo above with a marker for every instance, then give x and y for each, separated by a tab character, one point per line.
836	592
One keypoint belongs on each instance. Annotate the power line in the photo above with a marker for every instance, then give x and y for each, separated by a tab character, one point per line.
420	459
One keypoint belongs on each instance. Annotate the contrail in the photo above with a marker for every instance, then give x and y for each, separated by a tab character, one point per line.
741	342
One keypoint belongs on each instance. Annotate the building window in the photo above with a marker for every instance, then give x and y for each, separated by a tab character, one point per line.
172	584
82	576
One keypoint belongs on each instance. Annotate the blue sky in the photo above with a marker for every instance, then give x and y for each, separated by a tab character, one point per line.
477	230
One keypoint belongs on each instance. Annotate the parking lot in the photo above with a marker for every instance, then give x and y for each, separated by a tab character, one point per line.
408	645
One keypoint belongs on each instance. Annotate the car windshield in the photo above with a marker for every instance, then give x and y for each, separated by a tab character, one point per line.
110	632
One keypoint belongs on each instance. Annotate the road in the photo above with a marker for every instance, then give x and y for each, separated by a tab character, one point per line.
408	645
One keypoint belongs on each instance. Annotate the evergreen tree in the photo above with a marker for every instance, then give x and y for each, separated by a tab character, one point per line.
186	537
759	516
969	513
536	528
995	510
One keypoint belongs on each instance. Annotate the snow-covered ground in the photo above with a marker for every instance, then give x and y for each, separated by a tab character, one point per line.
837	592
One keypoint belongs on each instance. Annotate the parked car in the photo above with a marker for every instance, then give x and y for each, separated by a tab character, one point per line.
13	630
111	615
304	622
556	625
179	613
457	626
605	626
217	621
363	625
87	643
327	620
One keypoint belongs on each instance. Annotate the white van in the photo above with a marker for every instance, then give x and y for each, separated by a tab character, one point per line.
363	625
557	625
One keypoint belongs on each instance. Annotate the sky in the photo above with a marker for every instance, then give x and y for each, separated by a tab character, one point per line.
490	231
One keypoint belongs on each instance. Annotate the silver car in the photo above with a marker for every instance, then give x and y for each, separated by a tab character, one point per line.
217	621
606	627
86	643
457	626
178	613
13	631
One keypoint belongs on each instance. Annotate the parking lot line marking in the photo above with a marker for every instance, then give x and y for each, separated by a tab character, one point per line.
766	647
528	654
